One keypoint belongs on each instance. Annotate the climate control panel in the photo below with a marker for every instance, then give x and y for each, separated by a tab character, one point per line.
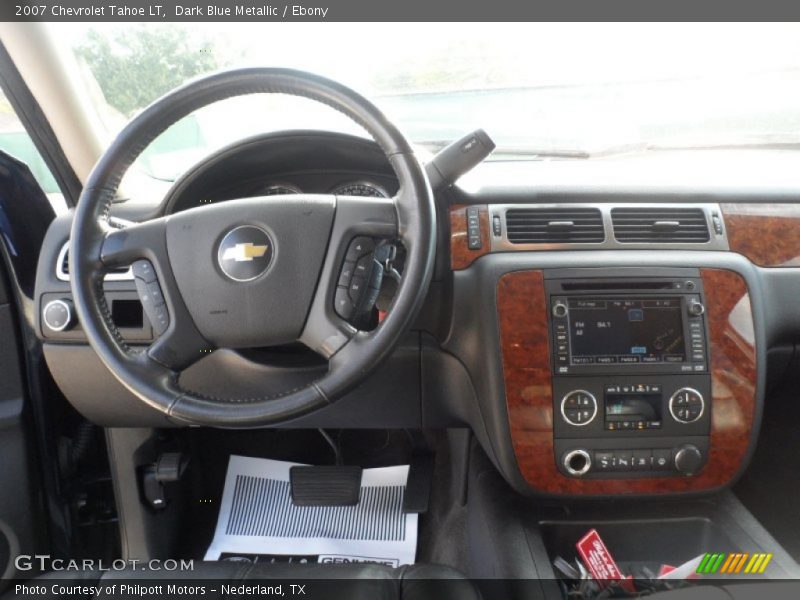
622	427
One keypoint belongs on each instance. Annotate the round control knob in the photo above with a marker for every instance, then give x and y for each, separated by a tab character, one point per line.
686	405
688	460
59	315
695	308
579	407
560	310
577	462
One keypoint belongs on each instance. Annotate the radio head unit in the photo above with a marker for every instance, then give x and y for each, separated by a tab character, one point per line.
618	330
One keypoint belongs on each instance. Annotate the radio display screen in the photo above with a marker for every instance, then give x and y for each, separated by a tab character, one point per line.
626	330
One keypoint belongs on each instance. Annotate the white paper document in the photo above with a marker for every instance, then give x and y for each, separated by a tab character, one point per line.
258	522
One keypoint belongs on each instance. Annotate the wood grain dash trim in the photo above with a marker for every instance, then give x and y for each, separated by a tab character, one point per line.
767	234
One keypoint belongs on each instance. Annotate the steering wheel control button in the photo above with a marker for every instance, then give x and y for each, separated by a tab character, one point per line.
359	247
357	289
245	253
58	315
579	408
364	266
359	282
159	319
155	293
686	405
152	299
142	269
342	303
347	273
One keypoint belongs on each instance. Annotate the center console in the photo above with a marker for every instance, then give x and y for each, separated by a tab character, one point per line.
631	388
627	381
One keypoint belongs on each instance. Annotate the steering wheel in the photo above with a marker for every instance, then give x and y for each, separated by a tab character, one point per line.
249	272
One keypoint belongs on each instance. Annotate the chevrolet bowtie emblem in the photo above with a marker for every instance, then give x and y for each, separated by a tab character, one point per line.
244	252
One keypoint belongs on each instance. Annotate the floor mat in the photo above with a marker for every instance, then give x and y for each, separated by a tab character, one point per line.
258	522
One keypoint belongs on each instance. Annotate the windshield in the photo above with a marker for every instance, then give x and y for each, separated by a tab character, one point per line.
549	90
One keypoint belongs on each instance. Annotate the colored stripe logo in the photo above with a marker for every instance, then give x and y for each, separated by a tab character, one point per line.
733	563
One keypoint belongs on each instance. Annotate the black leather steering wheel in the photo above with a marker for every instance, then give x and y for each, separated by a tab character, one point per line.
272	281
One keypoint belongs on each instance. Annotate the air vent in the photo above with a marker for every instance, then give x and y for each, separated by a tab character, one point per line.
62	268
660	225
554	226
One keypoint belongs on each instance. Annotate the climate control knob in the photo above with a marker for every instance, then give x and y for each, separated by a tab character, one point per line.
688	460
579	407
687	405
59	315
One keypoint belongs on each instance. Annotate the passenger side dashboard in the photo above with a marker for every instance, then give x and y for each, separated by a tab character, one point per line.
739	268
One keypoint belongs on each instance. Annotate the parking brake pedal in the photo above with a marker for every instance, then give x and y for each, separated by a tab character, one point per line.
325	485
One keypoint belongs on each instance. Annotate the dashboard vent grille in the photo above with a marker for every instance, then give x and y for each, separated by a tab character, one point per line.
554	226
660	225
65	266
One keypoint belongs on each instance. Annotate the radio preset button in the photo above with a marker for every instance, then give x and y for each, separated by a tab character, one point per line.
629	359
579	407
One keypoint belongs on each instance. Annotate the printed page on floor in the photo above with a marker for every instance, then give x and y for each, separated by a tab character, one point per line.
258	522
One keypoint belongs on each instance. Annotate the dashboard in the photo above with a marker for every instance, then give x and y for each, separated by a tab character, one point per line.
599	338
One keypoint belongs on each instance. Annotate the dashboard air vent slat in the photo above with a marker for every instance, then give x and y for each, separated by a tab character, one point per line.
660	225
65	266
554	226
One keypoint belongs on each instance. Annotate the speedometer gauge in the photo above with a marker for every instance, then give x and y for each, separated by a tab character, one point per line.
360	188
279	189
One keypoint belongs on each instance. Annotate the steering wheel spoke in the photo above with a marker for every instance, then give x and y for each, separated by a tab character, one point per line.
359	226
124	245
180	346
144	246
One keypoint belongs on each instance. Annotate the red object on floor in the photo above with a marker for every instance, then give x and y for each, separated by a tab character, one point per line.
599	561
